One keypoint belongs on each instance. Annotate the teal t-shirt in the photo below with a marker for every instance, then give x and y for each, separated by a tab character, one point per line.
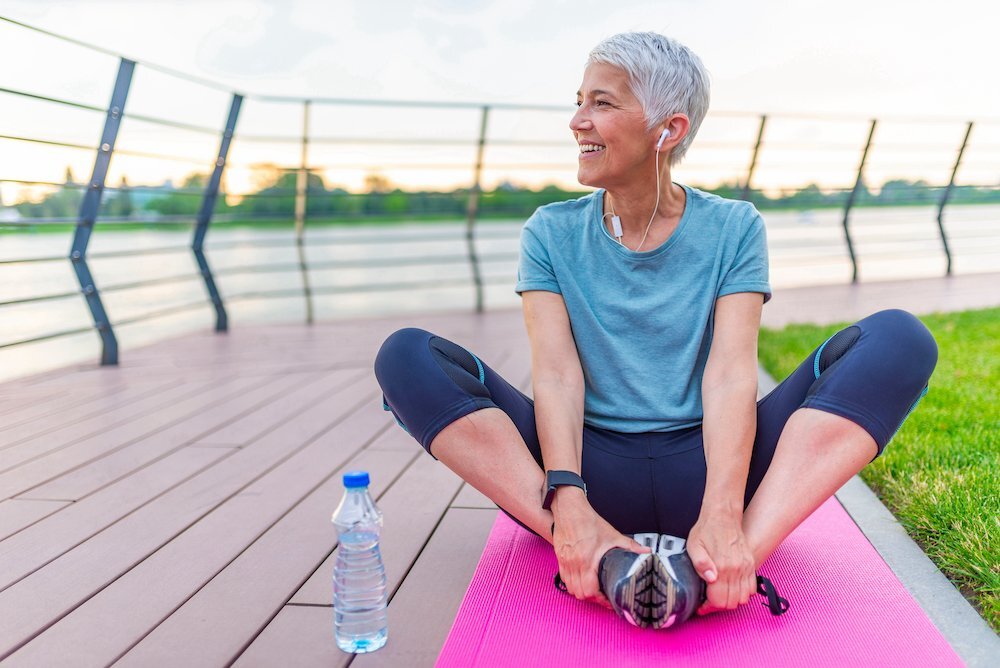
643	321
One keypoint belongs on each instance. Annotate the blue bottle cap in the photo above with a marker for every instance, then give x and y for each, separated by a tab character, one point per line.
356	479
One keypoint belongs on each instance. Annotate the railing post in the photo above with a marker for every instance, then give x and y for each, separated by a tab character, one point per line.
753	160
472	211
90	207
947	196
852	197
301	190
205	216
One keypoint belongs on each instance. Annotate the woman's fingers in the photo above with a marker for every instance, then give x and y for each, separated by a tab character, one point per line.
729	592
749	587
703	564
585	585
718	597
577	589
733	591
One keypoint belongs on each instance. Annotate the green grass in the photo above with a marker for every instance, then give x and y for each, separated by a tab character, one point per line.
940	475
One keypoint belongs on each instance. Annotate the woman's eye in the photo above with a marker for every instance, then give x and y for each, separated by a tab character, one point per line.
597	103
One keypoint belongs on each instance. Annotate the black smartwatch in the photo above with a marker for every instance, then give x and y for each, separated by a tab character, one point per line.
555	479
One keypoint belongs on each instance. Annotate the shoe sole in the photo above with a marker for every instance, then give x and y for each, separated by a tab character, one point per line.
646	594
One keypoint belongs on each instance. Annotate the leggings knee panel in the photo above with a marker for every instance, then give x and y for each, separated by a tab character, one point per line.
464	368
882	363
429	382
835	348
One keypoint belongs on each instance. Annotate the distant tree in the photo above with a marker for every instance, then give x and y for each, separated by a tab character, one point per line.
901	191
377	183
119	203
183	203
63	203
397	202
729	190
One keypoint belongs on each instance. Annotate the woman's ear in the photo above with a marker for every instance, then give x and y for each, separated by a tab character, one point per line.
674	128
678	124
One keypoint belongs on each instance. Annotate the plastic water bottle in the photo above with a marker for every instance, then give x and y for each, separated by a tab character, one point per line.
359	587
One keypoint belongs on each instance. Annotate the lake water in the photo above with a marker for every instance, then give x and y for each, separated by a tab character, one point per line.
806	248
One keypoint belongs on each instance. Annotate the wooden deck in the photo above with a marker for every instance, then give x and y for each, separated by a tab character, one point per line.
174	511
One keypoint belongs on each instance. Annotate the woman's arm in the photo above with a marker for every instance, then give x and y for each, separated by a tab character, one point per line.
729	397
581	536
557	381
729	400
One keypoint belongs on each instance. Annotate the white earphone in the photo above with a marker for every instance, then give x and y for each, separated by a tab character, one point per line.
663	138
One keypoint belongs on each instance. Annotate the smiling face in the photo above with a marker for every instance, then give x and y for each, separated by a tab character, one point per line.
610	129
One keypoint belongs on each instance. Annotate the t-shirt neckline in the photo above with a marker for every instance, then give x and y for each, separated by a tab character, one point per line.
644	255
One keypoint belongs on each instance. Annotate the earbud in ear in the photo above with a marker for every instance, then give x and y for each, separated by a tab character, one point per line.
663	138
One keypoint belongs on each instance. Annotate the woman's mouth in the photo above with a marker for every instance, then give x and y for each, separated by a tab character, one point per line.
590	150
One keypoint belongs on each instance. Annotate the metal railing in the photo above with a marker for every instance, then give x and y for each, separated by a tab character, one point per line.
302	194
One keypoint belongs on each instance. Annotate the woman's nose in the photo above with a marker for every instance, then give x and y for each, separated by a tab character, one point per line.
580	120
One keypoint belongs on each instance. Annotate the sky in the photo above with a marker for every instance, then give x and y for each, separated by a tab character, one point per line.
850	59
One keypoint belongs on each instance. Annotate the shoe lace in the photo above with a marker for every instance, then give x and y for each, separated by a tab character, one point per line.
775	603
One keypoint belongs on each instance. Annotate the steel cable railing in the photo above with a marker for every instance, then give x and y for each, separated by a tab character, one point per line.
302	202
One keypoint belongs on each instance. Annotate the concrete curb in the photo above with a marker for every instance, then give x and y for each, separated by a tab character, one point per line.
968	633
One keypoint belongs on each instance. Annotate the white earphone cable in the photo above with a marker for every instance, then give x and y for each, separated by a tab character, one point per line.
656	161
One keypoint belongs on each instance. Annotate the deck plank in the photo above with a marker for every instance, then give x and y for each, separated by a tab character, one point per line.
420	614
470	497
83	421
43	459
32	548
300	636
16	514
93	476
286	400
19	407
47	595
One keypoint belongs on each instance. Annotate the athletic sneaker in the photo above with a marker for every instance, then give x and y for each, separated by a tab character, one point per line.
662	588
657	589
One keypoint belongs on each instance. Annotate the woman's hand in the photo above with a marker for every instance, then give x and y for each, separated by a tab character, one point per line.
721	555
580	539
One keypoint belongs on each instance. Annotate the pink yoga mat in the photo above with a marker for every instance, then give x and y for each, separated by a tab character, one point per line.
847	609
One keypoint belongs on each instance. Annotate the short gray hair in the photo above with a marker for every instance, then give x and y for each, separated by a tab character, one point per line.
666	77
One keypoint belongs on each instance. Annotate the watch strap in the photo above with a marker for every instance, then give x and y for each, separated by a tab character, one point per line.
555	479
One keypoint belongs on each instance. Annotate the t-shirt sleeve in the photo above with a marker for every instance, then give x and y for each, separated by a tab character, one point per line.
534	267
748	270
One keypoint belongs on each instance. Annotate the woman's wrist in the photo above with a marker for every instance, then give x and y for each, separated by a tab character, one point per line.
718	509
568	498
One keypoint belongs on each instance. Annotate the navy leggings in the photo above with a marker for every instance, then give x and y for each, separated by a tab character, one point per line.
873	372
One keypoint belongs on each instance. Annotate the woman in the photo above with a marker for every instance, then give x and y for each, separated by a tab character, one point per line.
642	303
